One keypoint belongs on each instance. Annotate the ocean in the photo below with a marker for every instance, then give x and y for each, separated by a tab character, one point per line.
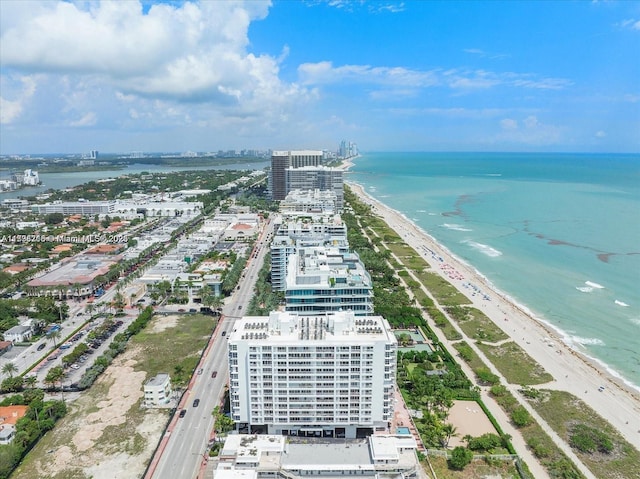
557	233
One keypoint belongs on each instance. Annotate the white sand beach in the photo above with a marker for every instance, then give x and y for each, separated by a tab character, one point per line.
618	403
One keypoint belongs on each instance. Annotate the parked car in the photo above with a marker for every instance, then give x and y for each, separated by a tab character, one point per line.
183	412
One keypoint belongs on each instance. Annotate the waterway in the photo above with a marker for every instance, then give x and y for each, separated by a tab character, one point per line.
59	181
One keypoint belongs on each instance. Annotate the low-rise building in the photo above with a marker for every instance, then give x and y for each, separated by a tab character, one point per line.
269	456
78	276
5	346
18	334
9	416
157	391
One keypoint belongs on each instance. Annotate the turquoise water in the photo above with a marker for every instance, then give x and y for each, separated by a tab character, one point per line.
558	233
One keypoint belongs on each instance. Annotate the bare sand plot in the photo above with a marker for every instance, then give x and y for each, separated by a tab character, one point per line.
468	419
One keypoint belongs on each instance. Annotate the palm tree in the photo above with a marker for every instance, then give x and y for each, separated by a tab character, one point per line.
54	376
31	381
9	369
54	336
449	430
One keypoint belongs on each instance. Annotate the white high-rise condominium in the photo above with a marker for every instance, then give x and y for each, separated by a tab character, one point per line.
315	376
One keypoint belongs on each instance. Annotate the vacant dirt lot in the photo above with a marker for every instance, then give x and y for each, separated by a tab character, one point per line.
106	433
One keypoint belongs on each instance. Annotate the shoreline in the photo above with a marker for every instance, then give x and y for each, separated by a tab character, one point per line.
573	371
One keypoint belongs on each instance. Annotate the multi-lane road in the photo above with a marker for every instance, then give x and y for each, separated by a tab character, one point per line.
183	450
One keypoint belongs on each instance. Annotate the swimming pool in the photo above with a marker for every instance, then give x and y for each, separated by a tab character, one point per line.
403	430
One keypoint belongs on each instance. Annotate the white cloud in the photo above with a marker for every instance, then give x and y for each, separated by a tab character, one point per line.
326	73
23	88
601	134
530	131
88	119
509	124
194	52
631	23
531	121
458	79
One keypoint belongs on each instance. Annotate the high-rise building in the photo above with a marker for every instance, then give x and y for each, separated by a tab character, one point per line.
331	375
281	160
324	279
316	177
301	232
301	202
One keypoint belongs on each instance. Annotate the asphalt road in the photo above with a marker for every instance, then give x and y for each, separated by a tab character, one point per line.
184	449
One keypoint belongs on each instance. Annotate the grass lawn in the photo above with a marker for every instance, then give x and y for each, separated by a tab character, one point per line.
478	468
469	356
476	324
444	292
562	411
401	250
515	364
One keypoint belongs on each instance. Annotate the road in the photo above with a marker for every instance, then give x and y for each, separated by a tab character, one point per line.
183	450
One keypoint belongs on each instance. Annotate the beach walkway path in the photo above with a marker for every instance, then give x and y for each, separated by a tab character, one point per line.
503	419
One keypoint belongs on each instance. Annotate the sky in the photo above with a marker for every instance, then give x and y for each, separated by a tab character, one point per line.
388	75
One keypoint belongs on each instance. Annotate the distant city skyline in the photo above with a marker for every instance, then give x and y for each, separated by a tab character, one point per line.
392	76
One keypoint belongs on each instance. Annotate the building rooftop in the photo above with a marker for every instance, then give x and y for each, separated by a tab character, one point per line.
11	414
287	327
157	380
80	269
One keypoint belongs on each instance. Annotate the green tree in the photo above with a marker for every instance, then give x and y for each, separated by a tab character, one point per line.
9	369
54	376
520	417
460	458
31	381
54	336
54	218
449	430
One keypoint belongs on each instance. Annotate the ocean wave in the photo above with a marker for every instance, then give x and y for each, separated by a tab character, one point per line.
584	341
584	289
454	227
421	211
594	285
484	249
621	303
635	321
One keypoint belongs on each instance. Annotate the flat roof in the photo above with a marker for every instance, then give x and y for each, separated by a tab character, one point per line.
80	269
346	452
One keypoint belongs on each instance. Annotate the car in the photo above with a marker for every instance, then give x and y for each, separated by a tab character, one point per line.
196	402
239	307
181	310
224	333
214	374
200	371
182	413
42	346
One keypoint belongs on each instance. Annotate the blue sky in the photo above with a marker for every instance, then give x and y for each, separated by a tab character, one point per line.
405	76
